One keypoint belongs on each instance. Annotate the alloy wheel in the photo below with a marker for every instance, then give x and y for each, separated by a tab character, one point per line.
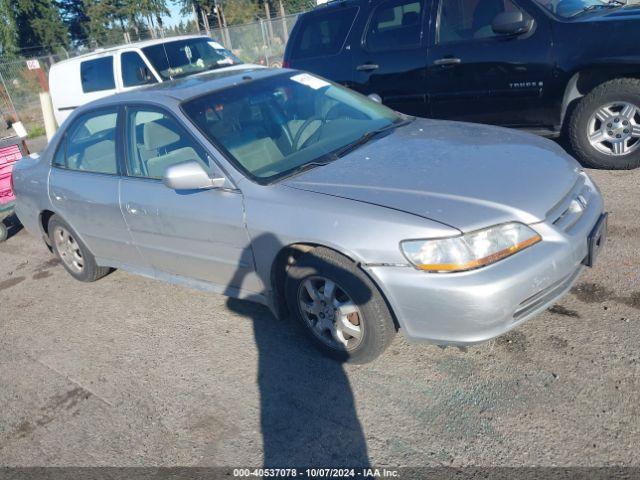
68	248
330	313
614	129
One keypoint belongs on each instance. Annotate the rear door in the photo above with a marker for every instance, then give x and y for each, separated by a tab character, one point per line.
391	57
84	186
319	43
479	76
196	234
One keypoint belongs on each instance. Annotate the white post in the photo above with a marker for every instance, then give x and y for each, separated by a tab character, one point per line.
50	125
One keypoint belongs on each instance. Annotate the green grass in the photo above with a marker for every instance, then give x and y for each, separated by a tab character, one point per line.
37	131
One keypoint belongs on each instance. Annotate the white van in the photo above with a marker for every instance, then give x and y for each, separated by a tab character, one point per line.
88	77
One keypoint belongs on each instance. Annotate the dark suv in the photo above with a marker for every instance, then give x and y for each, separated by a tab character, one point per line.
553	67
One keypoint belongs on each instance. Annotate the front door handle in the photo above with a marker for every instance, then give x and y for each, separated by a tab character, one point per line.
367	67
447	61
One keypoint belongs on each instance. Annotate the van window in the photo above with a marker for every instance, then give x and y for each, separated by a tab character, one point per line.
90	143
97	75
179	58
395	24
323	33
134	71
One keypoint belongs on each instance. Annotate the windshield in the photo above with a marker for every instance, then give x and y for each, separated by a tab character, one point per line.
273	126
571	8
185	57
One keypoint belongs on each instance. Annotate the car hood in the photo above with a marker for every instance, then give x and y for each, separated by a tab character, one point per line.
463	175
630	12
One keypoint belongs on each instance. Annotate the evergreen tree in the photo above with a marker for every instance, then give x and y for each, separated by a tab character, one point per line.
8	29
39	25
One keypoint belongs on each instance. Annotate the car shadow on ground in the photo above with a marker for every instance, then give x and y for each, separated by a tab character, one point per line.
307	409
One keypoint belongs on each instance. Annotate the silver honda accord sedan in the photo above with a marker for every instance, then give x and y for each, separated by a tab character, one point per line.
279	187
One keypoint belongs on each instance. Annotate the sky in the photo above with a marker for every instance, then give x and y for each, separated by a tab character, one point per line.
175	15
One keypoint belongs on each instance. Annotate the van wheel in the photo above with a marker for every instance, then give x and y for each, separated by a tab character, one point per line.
72	253
339	306
604	129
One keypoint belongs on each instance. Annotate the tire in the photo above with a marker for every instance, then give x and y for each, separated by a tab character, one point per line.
4	232
605	99
366	308
89	271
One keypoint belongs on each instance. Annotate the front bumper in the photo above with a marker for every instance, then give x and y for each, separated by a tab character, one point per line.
471	307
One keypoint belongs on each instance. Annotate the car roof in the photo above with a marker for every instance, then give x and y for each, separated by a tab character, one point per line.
141	44
189	87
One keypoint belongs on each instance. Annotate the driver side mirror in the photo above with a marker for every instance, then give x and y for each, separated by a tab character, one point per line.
190	175
511	23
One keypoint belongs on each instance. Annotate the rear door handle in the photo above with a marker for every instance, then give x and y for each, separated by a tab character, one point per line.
367	67
447	61
134	209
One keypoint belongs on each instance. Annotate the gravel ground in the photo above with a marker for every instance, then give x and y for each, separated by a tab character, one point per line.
131	371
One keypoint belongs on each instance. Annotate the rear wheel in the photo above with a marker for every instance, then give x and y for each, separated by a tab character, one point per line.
339	306
72	253
604	129
4	232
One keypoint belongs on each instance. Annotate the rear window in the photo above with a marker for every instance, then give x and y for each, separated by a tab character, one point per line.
97	75
323	33
395	24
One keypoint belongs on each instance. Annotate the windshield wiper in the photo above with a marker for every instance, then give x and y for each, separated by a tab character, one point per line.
610	4
367	137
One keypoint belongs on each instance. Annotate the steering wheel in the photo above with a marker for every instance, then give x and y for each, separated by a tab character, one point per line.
303	127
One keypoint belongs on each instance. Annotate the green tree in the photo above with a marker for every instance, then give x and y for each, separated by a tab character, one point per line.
39	25
8	29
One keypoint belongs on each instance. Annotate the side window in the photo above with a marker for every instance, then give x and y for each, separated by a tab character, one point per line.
60	158
134	71
463	20
323	33
90	144
156	141
395	24
97	75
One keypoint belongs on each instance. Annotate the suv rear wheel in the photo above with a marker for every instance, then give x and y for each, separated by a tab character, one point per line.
604	129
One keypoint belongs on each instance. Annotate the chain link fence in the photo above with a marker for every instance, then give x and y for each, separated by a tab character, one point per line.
261	42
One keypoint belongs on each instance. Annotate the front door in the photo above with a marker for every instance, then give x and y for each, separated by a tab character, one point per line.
477	75
196	234
84	183
390	60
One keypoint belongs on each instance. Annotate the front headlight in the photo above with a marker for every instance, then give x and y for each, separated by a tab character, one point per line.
471	250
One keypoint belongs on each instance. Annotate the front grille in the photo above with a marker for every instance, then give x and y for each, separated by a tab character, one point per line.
546	295
566	213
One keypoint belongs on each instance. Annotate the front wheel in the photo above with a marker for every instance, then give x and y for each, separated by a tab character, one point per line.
604	129
339	306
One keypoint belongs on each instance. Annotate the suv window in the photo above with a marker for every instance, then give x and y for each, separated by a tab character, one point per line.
323	33
156	141
395	24
97	75
90	144
463	20
134	71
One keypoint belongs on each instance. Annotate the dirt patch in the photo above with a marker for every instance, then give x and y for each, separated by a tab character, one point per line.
513	342
592	293
632	300
558	342
41	274
567	312
12	282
